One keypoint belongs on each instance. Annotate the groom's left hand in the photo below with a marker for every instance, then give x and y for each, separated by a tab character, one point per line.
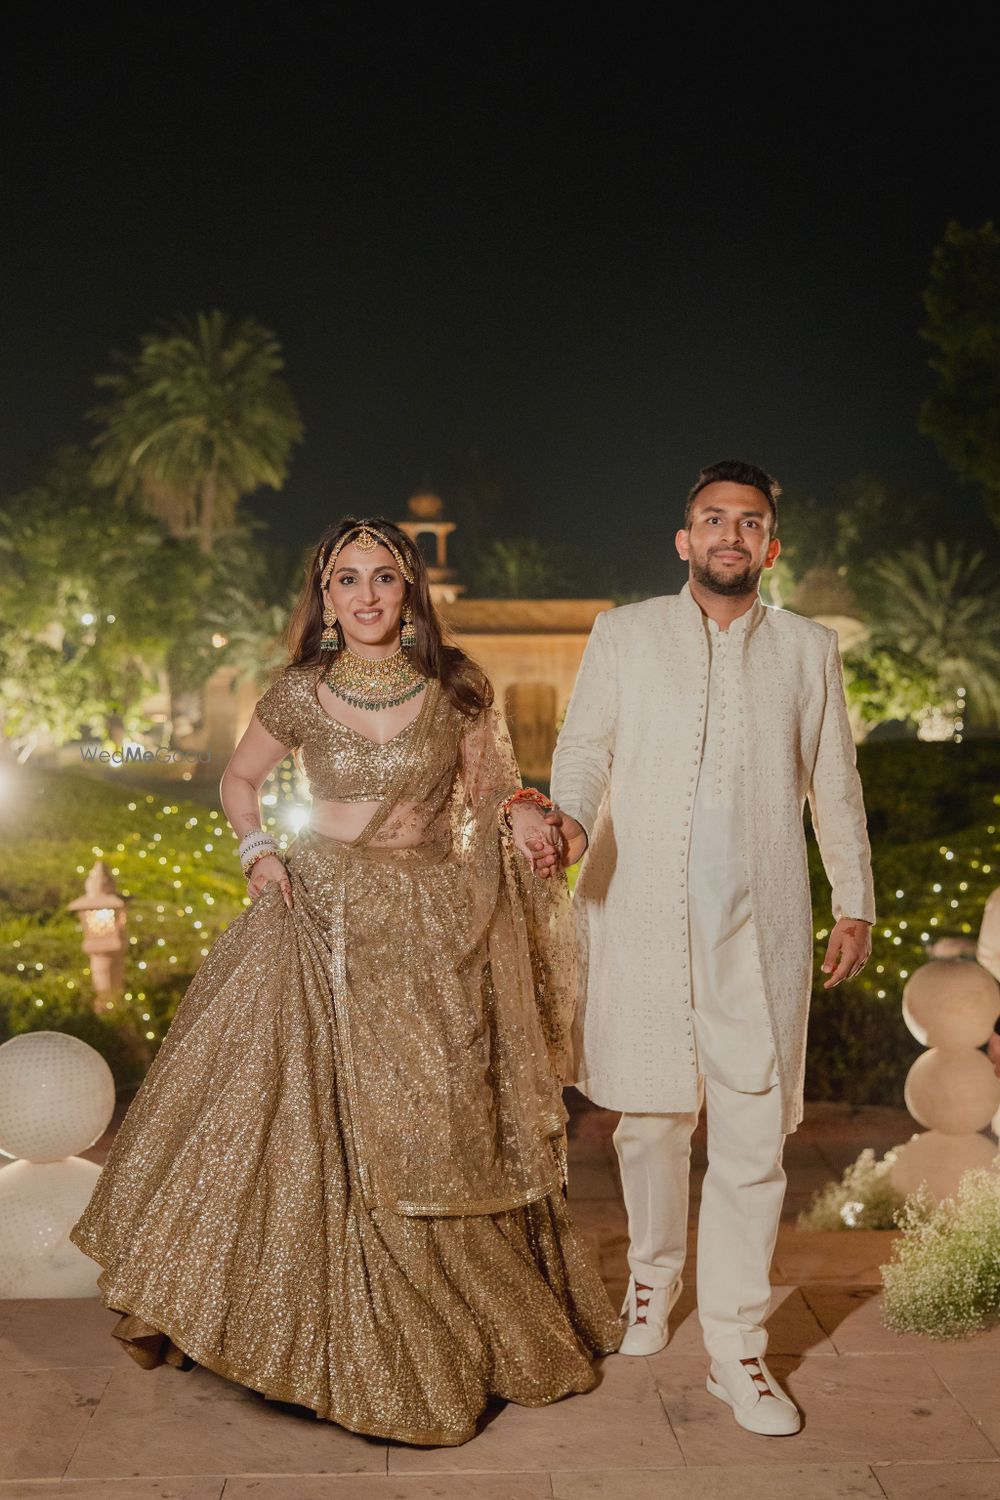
848	950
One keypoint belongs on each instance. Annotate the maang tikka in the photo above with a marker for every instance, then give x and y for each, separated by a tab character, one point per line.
366	537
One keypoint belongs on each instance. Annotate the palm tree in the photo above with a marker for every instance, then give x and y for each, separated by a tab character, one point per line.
251	600
525	567
199	417
938	606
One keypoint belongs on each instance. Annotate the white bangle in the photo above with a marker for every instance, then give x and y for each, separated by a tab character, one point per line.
255	836
254	844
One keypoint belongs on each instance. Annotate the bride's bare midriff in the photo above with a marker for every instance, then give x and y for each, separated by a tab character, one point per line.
346	821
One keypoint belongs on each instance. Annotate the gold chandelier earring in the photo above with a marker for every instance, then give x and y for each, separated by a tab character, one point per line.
408	634
330	640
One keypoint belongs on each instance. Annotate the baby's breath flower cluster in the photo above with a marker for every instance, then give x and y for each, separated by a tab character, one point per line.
864	1198
944	1276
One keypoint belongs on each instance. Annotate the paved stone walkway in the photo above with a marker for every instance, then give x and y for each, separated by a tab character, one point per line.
903	1418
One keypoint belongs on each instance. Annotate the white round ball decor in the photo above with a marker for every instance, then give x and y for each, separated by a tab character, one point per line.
952	1089
57	1096
39	1204
951	1003
939	1161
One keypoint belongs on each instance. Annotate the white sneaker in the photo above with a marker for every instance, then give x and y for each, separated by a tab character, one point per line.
758	1402
648	1311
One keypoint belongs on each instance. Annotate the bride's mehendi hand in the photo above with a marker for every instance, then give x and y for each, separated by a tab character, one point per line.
270	867
540	843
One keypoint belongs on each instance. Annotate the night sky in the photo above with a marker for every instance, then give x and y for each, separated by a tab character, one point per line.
599	251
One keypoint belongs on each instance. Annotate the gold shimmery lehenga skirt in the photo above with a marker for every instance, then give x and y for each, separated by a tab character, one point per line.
336	1185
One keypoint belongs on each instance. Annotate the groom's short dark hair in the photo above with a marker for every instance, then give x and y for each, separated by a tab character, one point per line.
735	471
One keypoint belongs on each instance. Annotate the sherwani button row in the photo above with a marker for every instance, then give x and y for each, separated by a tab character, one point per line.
794	739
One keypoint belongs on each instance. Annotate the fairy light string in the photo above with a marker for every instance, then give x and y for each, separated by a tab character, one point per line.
174	862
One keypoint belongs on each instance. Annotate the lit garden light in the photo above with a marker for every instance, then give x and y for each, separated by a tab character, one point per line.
103	918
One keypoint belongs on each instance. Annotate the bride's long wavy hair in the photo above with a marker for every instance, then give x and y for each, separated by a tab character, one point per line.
464	683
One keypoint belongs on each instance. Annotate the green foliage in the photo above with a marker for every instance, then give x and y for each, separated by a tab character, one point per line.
927	792
174	860
98	606
80	632
864	1198
815	534
938	614
885	684
523	567
944	1276
834	542
197	418
252	593
962	304
931	607
859	1051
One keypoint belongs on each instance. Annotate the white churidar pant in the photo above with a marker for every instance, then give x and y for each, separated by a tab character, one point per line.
741	1201
745	1183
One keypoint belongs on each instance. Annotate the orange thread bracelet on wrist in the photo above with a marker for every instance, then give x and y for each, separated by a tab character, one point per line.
526	794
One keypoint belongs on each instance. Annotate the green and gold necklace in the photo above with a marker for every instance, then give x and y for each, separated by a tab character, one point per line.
374	682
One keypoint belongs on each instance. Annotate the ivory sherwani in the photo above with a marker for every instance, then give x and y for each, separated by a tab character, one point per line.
732	1033
627	768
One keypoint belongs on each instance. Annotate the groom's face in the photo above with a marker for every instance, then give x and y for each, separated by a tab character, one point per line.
729	543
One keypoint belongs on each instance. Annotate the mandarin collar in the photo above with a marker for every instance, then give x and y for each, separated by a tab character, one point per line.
742	625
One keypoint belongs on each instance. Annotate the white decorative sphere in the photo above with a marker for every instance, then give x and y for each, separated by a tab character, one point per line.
39	1204
57	1096
951	1003
952	1089
939	1161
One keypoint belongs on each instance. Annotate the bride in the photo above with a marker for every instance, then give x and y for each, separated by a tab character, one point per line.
342	1180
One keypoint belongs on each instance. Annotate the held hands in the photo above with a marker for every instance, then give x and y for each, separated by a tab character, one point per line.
270	867
550	841
540	844
573	835
848	950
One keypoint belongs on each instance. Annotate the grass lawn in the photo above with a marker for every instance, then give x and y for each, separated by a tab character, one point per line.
174	859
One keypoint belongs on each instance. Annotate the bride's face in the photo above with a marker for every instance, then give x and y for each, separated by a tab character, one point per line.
367	593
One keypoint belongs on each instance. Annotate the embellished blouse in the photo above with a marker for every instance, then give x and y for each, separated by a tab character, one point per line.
341	763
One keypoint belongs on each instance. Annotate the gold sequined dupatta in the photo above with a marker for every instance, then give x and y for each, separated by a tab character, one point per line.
523	927
444	988
368	1171
416	775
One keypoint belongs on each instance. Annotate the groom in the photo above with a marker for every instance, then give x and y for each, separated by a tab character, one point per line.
699	724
